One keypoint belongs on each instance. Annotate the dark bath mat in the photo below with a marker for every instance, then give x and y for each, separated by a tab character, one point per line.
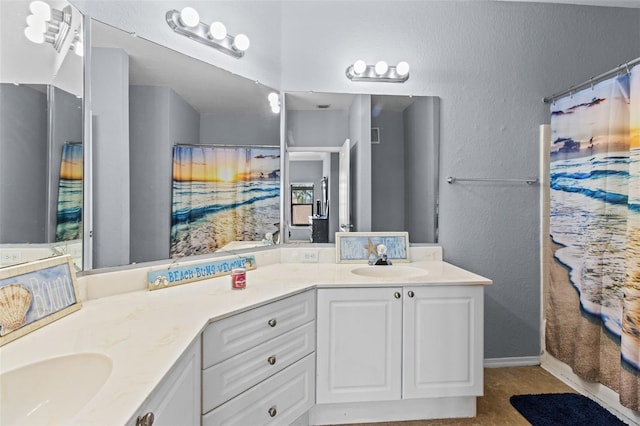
563	409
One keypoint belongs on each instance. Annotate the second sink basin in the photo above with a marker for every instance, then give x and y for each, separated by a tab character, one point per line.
397	271
52	391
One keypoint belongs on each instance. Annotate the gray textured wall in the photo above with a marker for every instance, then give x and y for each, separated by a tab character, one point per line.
238	128
23	164
491	63
110	108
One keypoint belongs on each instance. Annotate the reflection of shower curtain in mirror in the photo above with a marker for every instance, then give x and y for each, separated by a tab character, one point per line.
69	212
593	303
223	194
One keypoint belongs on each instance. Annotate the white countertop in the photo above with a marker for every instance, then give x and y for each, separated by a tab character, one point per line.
145	332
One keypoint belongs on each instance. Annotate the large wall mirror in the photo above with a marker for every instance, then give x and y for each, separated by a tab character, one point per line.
186	156
41	88
391	162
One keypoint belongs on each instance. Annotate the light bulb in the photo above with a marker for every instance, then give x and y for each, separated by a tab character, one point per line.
241	42
217	30
34	35
40	9
275	109
273	98
189	17
79	48
359	66
402	68
37	23
381	67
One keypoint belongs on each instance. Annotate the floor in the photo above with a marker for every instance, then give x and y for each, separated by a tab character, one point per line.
494	407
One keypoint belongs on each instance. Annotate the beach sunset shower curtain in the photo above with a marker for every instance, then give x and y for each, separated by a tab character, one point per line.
592	307
69	208
223	194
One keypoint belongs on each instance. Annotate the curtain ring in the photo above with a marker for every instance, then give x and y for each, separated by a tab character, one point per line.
591	83
626	66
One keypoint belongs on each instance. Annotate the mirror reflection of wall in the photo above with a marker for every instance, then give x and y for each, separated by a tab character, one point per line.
40	118
147	99
401	176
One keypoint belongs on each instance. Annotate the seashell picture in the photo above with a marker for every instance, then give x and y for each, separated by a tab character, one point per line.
34	294
15	301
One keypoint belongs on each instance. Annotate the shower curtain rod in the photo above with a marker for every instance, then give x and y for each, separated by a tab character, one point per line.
593	80
222	145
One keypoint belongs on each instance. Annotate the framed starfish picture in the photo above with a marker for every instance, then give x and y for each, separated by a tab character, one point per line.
359	247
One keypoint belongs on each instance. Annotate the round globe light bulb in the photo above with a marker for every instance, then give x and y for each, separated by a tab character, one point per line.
359	66
35	22
381	67
189	17
34	35
402	68
79	48
275	109
241	42
40	9
217	30
273	98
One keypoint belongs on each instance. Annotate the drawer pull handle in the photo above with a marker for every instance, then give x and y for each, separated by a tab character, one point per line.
272	322
272	412
146	420
271	360
411	293
397	295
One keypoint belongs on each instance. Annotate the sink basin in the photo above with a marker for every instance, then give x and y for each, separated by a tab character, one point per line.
396	271
52	391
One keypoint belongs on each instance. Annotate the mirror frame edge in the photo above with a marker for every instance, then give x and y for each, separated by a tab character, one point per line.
87	128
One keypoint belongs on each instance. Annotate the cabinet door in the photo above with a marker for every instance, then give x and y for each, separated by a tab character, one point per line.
443	341
359	345
176	401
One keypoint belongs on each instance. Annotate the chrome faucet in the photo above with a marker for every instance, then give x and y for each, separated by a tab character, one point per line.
381	258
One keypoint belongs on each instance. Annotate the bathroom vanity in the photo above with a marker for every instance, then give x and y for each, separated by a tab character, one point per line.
304	343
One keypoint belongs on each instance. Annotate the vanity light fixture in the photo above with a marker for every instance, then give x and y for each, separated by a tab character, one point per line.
381	71
46	24
274	101
187	22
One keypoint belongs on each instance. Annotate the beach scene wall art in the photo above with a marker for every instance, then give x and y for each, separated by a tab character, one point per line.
223	194
592	309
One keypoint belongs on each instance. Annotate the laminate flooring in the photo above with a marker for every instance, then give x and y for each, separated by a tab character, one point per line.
494	407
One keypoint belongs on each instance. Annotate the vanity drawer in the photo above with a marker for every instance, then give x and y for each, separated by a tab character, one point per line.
231	336
278	400
230	378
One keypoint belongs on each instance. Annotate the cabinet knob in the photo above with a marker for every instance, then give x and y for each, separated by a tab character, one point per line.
272	412
397	295
146	420
411	293
272	322
271	360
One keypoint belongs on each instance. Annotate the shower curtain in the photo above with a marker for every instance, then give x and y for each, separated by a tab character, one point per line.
593	301
223	194
69	207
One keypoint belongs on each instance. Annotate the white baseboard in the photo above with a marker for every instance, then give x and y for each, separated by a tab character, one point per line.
596	391
511	362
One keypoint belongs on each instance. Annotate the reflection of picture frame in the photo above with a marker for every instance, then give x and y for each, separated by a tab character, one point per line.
358	247
35	294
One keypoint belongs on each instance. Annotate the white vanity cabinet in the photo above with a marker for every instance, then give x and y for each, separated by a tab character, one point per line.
176	400
398	353
258	367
